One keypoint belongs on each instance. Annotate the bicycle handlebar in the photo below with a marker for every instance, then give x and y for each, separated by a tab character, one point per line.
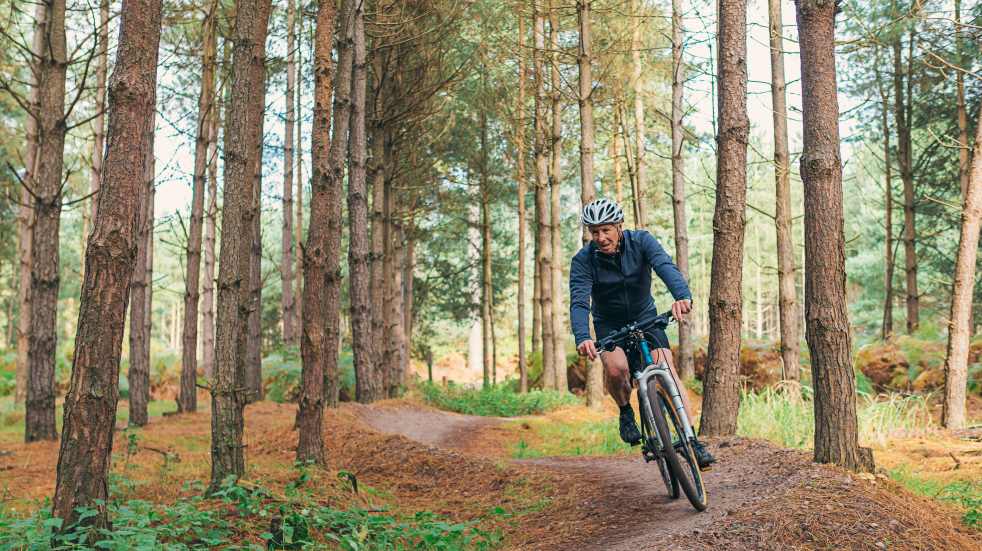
658	322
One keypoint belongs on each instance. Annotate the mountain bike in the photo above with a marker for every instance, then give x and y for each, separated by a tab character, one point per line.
666	433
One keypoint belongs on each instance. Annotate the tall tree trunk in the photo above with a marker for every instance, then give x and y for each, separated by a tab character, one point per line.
522	216
298	232
286	262
956	358
887	330
964	165
640	169
243	135
42	341
208	285
594	376
684	361
187	399
368	387
408	284
782	210
393	305
543	220
99	122
536	282
254	373
90	407
380	77
615	157
318	343
827	330
963	161
907	176
486	288
25	226
722	385
559	328
138	376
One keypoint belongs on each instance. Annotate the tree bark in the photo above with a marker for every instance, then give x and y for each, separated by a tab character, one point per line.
684	362
486	288
887	328
960	331
99	122
787	301
254	373
25	227
286	262
368	387
138	375
555	182
640	168
963	161
906	174
318	344
544	247
298	232
208	285
594	376
827	329
90	407
39	422
721	382
243	135
187	399
380	78
519	131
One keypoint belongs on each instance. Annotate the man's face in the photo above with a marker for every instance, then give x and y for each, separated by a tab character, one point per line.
606	237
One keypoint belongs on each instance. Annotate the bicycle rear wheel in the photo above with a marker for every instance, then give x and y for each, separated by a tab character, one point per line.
678	452
650	452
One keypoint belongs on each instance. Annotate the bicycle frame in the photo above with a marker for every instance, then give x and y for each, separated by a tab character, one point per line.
661	372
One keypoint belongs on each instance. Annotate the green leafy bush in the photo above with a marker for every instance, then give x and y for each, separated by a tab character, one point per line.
281	374
496	401
299	523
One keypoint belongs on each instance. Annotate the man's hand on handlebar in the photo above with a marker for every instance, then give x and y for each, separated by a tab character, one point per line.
587	348
680	308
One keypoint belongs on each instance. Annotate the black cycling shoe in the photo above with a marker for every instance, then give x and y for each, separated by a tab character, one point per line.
629	429
703	457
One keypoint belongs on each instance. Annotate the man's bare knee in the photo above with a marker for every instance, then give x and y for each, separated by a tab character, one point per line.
615	364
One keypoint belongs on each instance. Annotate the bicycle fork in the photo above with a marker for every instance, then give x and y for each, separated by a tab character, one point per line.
664	376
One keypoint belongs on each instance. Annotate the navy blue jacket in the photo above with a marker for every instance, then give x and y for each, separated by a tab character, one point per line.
619	284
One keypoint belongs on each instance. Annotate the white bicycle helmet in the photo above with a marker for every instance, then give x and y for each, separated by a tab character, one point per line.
602	211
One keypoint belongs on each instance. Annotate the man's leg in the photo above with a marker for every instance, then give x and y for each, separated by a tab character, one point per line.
703	457
618	379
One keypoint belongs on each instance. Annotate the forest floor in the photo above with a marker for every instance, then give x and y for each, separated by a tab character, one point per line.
407	457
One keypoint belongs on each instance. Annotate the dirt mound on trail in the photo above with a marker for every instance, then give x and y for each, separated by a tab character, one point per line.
833	509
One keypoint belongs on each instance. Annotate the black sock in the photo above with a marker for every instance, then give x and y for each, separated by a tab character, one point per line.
626	409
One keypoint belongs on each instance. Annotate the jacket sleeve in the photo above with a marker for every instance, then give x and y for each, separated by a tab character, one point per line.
662	264
580	288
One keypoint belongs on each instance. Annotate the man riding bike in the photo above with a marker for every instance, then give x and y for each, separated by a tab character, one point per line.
614	270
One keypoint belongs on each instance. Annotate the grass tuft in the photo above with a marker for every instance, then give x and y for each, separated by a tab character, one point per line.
494	401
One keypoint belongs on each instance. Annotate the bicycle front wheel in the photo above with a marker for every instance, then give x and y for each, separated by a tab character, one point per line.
679	453
650	450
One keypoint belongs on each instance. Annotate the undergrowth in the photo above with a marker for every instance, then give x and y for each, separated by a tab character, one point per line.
774	416
234	516
494	401
562	439
965	495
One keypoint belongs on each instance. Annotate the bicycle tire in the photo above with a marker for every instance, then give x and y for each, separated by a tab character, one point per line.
689	481
667	476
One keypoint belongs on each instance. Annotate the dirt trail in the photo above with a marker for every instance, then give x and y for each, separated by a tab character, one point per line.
629	507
